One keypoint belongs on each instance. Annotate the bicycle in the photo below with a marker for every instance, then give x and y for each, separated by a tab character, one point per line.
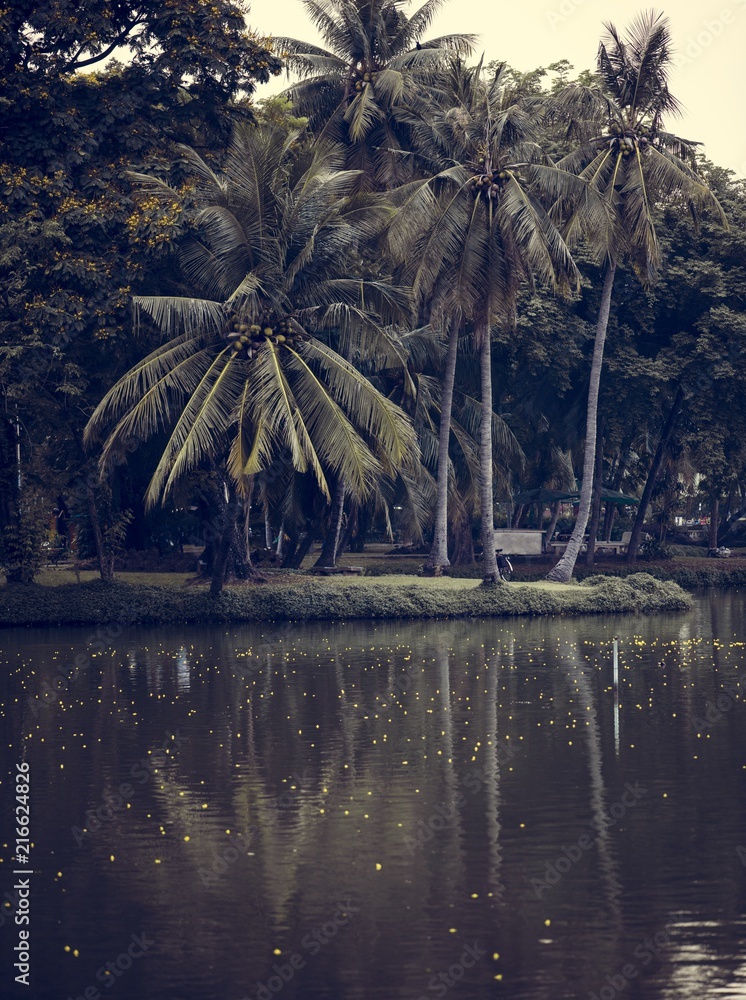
504	565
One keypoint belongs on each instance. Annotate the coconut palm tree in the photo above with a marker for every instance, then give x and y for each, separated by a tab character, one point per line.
358	93
245	374
473	233
634	165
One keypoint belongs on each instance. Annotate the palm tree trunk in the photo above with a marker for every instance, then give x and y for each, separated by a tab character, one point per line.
280	536
438	558
553	523
104	557
267	528
714	523
655	468
344	538
486	493
596	505
328	554
562	572
220	563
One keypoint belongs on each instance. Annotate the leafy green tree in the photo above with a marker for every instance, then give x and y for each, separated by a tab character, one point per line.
634	165
74	244
242	376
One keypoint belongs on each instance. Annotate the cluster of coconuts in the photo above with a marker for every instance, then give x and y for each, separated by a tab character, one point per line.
488	184
626	141
361	79
247	337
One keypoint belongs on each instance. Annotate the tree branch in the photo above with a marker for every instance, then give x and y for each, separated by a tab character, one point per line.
119	40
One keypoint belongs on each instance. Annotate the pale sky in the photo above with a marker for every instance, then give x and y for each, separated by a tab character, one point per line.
709	39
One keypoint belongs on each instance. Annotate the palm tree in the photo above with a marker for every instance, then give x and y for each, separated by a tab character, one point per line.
242	377
474	232
358	93
634	165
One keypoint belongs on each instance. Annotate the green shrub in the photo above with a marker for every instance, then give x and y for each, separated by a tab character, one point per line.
22	542
652	549
95	603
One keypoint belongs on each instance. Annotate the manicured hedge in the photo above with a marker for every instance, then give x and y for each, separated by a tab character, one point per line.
96	603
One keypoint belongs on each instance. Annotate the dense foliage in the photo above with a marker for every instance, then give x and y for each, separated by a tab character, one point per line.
336	436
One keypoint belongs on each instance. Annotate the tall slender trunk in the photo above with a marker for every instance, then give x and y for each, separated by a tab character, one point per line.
220	563
563	571
714	523
655	468
280	537
105	560
462	543
438	558
553	523
352	522
328	554
616	483
267	528
596	504
517	515
486	491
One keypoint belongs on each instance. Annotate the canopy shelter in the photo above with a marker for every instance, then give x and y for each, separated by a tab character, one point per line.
614	496
543	495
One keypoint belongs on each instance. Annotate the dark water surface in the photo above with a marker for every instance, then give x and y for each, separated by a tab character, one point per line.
381	811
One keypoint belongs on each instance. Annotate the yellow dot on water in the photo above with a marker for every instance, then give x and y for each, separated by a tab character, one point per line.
67	947
495	955
111	857
157	861
204	805
475	895
76	953
547	923
277	951
452	930
187	839
379	866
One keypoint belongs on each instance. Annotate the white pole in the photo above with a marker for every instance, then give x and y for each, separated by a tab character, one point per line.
616	694
18	449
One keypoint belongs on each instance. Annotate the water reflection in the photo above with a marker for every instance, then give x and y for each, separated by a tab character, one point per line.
388	811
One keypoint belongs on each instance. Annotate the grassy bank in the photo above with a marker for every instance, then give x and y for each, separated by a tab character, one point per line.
94	603
690	572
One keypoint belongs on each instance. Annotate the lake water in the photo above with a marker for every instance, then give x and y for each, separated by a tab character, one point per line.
381	811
